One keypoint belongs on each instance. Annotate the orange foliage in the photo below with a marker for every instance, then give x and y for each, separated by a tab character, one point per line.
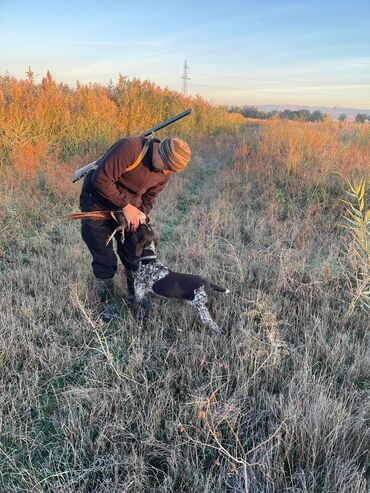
26	157
41	123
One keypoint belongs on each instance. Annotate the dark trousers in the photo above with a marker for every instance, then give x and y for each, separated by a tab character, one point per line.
104	264
96	233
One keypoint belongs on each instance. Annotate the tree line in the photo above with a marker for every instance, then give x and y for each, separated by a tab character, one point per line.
302	115
359	118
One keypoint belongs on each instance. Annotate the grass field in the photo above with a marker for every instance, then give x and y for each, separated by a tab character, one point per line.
280	404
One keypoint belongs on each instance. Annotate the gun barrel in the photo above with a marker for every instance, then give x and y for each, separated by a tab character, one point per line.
85	169
166	122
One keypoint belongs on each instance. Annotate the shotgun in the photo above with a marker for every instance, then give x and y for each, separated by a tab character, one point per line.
85	169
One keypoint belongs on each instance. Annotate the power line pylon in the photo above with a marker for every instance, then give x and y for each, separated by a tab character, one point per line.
185	79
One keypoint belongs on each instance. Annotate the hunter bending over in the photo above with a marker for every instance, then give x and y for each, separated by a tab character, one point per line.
129	176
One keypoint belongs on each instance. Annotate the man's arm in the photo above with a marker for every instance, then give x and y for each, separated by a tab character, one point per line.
148	198
119	157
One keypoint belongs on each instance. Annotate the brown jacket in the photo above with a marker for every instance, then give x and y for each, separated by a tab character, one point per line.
111	188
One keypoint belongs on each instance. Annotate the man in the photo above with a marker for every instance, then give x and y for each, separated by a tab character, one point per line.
129	176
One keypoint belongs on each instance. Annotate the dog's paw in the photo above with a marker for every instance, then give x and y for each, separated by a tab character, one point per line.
142	307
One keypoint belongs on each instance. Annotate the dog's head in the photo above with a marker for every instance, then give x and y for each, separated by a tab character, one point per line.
147	240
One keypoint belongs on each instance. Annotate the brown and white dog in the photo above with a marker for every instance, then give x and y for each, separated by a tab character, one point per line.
152	277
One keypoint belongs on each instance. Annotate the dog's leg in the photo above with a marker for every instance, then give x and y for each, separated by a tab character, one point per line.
147	305
136	305
205	317
199	304
141	297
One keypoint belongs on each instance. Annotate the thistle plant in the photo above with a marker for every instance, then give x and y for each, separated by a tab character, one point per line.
358	223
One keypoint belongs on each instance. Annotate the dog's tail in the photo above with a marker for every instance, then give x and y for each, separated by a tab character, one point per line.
219	288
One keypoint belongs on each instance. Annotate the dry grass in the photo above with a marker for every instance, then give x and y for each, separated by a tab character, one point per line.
279	405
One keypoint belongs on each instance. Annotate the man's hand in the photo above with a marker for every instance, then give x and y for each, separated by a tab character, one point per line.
133	216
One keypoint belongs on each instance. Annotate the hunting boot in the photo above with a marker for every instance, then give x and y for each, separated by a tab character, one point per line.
130	286
106	294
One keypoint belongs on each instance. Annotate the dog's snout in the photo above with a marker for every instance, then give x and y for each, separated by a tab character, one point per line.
151	246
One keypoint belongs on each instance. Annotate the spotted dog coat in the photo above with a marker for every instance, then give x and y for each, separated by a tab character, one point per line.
152	277
199	304
145	278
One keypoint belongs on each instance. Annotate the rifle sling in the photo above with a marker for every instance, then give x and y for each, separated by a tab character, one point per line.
137	161
140	157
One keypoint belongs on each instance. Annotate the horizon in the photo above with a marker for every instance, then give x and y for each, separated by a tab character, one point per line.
244	53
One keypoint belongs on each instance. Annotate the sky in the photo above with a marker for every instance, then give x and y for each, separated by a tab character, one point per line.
239	52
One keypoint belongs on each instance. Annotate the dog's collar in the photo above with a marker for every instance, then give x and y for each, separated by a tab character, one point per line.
147	257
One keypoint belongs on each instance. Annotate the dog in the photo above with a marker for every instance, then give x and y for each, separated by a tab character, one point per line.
152	277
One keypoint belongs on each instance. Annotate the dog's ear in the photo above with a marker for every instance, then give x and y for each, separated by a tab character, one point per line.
154	235
140	247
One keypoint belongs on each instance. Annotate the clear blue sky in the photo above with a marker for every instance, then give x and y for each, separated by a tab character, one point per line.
239	52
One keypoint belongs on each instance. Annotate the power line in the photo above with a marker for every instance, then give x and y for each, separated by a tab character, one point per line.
326	63
275	90
222	87
185	78
262	80
167	77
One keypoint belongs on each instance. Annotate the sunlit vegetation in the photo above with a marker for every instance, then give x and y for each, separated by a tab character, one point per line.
278	212
42	123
